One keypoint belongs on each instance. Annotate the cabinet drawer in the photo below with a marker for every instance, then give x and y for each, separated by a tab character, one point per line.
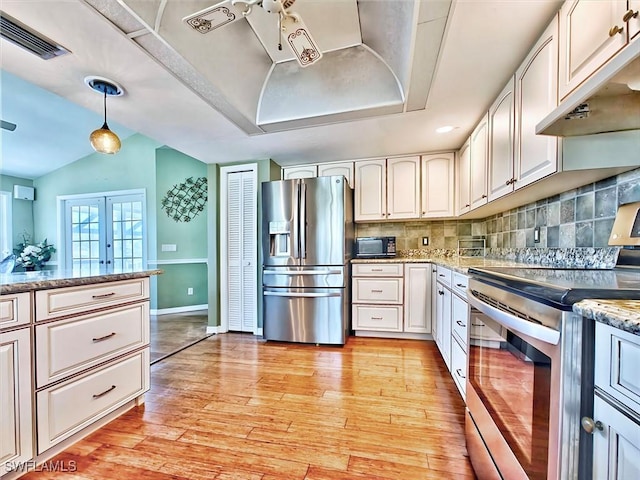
69	346
377	270
617	360
383	318
59	302
459	367
69	407
443	275
377	290
459	284
14	310
460	320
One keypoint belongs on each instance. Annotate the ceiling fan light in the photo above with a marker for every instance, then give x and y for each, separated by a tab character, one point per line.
104	140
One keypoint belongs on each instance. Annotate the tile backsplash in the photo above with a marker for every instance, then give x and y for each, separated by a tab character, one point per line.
578	218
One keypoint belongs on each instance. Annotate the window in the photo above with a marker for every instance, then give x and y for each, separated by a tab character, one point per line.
104	231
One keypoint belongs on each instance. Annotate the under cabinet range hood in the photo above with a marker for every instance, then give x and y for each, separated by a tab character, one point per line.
608	101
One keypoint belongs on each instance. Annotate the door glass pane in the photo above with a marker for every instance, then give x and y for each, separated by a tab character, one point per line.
128	235
84	233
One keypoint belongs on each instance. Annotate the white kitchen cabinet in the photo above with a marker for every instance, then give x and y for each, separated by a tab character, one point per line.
300	171
616	415
377	296
463	175
15	398
15	310
536	156
370	202
434	300
479	163
403	188
591	32
343	168
437	185
459	366
417	297
443	321
501	142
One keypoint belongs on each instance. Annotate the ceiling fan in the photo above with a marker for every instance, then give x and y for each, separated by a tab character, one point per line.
291	27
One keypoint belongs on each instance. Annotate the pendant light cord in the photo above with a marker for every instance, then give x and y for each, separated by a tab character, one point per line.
105	109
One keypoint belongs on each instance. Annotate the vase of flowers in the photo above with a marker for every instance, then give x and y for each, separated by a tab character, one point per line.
31	255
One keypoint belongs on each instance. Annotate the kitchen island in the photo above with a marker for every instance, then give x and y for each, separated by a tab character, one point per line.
76	349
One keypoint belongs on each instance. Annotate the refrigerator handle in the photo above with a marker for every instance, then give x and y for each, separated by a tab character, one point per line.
295	240
303	220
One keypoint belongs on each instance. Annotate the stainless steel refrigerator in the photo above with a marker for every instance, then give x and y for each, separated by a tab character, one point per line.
307	243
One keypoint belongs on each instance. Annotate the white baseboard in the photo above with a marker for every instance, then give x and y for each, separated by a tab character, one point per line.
401	335
186	308
211	329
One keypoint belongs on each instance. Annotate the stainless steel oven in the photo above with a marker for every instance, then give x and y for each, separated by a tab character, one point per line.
523	386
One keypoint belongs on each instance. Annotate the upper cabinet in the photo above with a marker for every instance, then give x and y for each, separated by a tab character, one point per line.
479	158
591	32
403	188
370	202
437	185
536	156
501	131
464	179
302	171
344	168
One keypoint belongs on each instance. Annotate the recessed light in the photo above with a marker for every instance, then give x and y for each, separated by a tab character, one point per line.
445	129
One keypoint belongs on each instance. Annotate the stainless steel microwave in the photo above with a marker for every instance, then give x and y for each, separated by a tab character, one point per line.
375	247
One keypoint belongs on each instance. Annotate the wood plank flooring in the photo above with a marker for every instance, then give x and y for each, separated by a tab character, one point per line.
236	407
172	332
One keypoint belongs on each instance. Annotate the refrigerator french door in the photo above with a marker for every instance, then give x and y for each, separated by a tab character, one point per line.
307	241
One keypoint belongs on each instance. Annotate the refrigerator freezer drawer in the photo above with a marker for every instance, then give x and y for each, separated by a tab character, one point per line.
310	315
304	277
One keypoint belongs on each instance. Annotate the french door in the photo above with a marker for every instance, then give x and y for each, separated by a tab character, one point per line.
105	231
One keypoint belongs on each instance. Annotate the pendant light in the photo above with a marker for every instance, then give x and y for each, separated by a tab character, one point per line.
103	140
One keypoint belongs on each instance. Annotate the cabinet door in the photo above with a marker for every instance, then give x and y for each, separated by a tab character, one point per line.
479	139
302	171
437	185
345	169
587	40
616	448
403	188
501	132
15	398
459	367
536	156
371	190
443	318
464	179
634	21
434	300
417	297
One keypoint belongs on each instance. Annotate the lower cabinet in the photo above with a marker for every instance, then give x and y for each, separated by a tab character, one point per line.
443	322
15	398
391	297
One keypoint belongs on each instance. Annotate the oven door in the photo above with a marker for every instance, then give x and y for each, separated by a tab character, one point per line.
512	396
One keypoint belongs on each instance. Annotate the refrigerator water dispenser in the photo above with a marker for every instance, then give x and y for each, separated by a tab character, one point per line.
279	239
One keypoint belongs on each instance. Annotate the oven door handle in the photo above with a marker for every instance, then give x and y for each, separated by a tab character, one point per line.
518	325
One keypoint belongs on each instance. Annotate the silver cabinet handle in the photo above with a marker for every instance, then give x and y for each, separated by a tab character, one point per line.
376	269
460	285
460	323
98	395
376	291
376	318
106	337
459	373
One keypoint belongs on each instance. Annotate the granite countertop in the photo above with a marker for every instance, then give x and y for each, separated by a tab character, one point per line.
45	279
458	264
622	314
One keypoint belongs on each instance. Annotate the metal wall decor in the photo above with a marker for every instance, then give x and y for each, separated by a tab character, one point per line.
185	200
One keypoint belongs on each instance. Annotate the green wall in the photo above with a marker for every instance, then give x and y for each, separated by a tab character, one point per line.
190	238
267	170
21	210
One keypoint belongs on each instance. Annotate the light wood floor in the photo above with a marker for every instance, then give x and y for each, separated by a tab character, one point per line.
172	332
234	407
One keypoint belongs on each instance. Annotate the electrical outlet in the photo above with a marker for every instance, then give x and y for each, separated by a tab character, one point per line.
425	241
189	291
536	235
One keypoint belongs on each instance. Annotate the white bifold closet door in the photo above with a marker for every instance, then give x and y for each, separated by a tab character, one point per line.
239	302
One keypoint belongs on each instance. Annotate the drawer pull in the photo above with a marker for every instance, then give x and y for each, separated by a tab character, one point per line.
376	291
459	322
459	285
105	295
376	318
98	395
478	325
459	373
376	269
629	15
441	274
100	339
615	30
440	292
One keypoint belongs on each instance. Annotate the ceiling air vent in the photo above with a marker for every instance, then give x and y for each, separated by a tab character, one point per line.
23	36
